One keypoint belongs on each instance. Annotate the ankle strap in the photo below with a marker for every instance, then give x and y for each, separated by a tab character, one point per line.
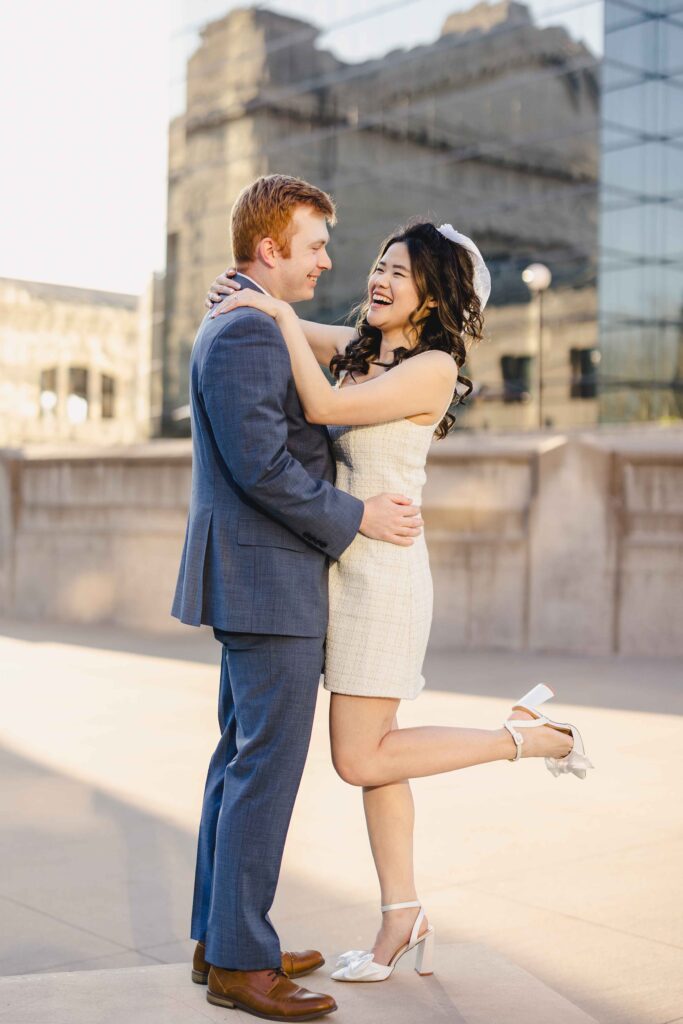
401	906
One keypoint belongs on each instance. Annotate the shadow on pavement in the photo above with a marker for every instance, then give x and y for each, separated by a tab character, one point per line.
624	683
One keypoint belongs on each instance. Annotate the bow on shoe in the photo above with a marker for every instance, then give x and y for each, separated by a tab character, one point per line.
577	764
345	959
362	966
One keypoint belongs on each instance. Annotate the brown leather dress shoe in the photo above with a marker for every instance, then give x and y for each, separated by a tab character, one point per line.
266	994
295	965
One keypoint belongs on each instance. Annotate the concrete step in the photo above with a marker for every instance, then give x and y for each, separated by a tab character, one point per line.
471	985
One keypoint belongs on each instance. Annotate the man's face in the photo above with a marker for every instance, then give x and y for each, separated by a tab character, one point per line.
299	272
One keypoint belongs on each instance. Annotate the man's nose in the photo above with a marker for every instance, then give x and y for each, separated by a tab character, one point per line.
325	263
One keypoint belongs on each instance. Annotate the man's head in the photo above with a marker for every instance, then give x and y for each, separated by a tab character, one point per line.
279	235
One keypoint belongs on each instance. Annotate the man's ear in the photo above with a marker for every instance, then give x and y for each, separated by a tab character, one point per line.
265	251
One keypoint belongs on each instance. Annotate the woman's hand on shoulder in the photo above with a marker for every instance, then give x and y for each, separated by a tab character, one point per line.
255	300
224	284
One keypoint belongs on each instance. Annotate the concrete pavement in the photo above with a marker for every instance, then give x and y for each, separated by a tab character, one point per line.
553	899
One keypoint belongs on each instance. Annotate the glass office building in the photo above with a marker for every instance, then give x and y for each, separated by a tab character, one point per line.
641	212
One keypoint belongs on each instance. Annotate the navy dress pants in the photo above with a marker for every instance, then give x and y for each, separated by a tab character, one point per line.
268	690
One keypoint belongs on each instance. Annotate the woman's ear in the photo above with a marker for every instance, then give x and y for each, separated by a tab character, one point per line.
432	303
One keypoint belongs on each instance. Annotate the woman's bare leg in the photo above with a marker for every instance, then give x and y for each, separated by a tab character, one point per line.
368	751
390	817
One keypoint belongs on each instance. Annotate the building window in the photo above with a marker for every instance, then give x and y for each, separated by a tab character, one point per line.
108	397
48	392
584	364
77	402
516	373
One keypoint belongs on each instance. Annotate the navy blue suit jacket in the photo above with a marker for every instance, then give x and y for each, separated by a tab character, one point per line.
264	513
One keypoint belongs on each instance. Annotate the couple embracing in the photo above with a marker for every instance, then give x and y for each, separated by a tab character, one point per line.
305	553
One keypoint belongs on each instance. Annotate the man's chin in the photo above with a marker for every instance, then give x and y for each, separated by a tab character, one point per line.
305	294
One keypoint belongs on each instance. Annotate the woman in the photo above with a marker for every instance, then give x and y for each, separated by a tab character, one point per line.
425	296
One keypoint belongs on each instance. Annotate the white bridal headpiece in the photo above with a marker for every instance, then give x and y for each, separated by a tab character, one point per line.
482	278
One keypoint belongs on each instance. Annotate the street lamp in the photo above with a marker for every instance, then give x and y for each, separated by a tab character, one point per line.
537	278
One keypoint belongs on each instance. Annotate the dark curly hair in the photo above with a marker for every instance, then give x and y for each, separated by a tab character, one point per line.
442	272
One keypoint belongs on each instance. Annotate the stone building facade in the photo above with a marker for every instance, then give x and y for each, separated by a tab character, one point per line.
74	364
493	127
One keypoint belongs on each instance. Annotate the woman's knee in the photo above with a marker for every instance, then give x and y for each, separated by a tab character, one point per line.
358	725
349	766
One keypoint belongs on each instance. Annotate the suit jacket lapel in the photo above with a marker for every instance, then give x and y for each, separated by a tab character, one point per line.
248	283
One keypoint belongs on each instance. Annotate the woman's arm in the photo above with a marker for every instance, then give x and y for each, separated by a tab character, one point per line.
325	341
419	386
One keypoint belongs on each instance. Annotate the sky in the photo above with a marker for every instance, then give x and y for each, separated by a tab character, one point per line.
86	93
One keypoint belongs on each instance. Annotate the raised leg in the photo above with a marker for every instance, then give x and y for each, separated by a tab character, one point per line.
367	751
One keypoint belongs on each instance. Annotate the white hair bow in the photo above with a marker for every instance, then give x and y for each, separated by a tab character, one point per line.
482	278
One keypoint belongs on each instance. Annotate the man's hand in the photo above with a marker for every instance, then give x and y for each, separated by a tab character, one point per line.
392	518
223	285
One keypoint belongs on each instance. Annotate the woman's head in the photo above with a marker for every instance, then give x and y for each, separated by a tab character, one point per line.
422	286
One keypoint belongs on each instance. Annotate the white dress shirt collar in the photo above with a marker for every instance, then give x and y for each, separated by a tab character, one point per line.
255	283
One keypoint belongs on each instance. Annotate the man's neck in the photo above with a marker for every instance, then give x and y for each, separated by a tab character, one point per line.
252	273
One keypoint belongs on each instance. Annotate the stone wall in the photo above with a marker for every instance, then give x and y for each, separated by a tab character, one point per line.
564	542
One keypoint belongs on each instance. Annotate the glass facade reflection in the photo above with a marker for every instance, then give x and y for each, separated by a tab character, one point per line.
641	212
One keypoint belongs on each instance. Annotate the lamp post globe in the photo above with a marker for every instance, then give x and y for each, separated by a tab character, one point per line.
537	277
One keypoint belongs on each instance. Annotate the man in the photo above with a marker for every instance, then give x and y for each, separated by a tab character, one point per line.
264	519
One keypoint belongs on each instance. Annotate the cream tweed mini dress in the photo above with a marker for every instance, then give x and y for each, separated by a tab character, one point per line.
380	594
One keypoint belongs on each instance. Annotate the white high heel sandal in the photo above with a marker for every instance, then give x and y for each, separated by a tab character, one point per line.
575	761
357	965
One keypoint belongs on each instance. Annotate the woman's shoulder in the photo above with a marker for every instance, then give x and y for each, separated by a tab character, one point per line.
438	362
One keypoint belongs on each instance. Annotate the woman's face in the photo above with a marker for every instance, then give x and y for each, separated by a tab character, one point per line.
391	290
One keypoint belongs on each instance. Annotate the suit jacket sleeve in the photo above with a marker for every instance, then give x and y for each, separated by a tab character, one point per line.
243	386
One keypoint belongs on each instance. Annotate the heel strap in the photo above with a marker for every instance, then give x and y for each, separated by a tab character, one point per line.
512	725
527	723
416	927
401	906
418	920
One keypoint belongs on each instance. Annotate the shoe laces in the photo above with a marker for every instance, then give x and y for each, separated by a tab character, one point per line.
276	973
